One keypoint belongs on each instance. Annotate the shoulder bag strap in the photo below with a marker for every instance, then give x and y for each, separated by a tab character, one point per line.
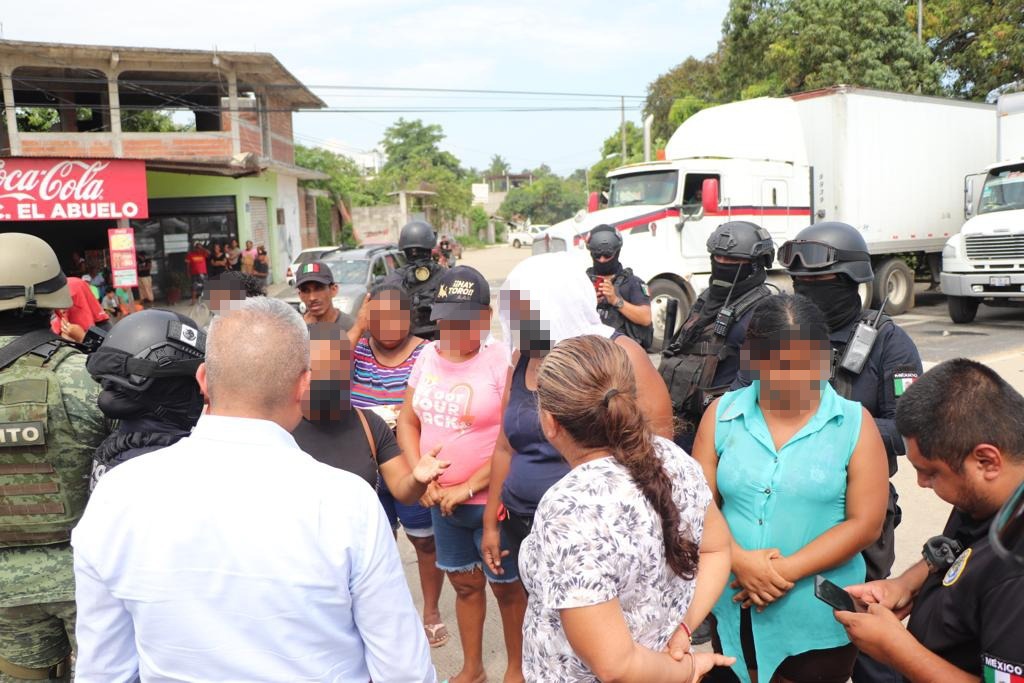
369	434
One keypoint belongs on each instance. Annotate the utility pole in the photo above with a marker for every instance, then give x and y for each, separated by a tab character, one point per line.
622	104
920	18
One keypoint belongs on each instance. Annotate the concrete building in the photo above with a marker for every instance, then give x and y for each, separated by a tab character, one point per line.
203	137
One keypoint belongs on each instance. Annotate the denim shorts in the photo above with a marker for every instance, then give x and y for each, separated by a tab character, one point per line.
415	518
457	539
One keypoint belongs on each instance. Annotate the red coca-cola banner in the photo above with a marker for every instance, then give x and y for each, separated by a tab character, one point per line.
72	189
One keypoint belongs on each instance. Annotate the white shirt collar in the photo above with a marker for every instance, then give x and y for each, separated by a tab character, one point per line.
243	430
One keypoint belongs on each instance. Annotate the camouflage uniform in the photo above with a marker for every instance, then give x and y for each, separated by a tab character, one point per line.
37	587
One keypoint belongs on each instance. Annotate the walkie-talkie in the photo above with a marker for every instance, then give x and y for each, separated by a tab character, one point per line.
863	339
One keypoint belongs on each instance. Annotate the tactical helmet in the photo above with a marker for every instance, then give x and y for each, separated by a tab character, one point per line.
30	274
743	240
148	345
604	240
826	248
417	235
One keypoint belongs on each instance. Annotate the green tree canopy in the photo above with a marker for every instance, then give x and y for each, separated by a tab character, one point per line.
498	166
345	182
407	143
693	78
611	154
547	200
776	47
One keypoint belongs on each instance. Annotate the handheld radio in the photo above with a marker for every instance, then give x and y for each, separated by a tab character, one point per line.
861	342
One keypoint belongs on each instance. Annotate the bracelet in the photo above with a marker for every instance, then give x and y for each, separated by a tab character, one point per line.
689	634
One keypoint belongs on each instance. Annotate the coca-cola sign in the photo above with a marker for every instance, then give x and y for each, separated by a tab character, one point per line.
72	189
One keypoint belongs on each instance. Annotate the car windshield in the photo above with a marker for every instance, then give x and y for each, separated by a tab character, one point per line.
658	187
307	256
348	271
1003	191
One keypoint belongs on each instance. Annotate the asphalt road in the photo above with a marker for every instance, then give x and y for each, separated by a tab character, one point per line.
995	338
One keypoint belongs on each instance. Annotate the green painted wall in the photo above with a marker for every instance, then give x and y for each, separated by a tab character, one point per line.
166	185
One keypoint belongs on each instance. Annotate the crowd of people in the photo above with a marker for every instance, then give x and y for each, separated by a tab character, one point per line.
242	515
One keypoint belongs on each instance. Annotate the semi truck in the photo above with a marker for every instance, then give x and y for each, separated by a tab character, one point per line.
889	164
984	262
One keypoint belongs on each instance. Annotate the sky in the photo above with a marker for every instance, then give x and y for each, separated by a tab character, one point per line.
603	47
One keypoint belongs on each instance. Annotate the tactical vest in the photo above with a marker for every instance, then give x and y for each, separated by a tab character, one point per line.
421	295
689	368
613	318
44	468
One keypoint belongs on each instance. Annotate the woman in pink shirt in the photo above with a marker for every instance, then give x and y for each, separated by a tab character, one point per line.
454	401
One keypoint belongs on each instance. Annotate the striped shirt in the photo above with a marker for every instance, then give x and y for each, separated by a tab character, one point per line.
374	384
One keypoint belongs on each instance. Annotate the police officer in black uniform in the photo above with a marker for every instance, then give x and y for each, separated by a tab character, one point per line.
874	362
420	276
964	427
147	367
622	299
703	359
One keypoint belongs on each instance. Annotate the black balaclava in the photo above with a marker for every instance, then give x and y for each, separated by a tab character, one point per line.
727	274
606	268
176	401
838	299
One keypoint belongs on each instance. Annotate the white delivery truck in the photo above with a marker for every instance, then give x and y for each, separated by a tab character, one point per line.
889	164
985	261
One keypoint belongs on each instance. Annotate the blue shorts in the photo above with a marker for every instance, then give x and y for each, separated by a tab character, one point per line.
458	538
415	518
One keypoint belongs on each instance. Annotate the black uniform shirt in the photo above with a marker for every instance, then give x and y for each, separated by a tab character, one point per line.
973	615
630	289
421	293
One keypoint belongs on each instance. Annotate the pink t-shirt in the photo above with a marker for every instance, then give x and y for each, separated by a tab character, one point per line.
459	407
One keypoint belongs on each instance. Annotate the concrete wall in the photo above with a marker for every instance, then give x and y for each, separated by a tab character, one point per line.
376	224
288	237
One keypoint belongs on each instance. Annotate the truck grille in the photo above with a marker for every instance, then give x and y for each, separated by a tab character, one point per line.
995	247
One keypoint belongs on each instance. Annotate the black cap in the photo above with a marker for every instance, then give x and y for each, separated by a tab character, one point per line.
314	271
461	295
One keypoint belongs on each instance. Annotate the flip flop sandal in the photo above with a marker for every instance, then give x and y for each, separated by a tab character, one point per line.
437	634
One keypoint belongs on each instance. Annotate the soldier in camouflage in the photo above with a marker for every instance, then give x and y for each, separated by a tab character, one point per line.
49	427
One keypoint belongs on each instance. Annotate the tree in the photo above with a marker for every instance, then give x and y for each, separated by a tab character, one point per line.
345	182
693	78
498	166
410	142
777	47
684	108
152	121
979	43
547	200
611	154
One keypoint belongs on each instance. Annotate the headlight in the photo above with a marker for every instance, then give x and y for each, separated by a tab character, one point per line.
949	251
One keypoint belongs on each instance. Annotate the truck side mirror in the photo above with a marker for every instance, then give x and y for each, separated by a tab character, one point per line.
968	197
709	195
593	202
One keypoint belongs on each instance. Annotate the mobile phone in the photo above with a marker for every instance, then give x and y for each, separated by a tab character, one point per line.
836	597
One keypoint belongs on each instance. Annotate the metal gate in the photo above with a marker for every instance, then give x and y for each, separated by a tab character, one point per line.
260	222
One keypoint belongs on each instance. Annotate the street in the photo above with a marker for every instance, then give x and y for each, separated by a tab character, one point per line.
995	338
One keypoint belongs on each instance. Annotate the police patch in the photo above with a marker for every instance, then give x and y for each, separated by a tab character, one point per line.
18	434
189	335
956	569
998	670
422	274
901	381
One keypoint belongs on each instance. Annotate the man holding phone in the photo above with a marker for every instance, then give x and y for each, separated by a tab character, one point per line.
964	432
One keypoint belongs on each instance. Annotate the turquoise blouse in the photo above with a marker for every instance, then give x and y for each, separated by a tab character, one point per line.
784	499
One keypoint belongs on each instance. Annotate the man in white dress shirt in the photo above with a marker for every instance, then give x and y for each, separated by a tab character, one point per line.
233	555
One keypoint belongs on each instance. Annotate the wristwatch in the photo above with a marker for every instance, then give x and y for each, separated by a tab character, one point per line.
618	304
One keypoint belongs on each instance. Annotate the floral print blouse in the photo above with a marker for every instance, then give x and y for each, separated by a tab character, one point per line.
595	537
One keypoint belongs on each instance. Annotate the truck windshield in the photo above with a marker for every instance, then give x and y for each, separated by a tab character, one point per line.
658	187
1004	190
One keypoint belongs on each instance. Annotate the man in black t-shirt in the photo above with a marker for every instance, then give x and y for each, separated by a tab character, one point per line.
964	431
358	441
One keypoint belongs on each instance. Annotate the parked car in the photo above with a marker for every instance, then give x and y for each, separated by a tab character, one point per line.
520	237
305	256
354	271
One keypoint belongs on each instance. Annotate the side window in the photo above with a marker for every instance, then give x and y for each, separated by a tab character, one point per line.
379	268
693	189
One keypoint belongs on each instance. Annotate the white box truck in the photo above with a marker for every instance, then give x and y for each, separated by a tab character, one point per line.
889	164
984	262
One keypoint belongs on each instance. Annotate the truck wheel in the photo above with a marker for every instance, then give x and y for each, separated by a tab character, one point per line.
962	309
893	278
516	244
661	291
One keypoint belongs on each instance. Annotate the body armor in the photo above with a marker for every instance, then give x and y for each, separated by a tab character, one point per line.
421	279
613	318
44	466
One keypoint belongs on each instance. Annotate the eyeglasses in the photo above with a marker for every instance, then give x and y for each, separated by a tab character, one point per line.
602	254
816	254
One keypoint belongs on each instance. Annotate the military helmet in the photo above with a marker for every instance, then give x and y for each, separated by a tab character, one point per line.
30	274
743	240
417	235
148	345
604	240
828	248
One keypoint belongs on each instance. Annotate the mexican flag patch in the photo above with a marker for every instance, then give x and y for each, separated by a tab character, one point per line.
1001	671
901	381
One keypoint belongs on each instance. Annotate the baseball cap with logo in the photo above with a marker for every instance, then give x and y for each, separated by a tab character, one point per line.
314	271
461	295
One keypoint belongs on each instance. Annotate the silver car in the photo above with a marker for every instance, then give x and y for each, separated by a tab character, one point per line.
355	271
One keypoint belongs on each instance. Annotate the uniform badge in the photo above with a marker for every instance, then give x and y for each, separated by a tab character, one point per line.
956	569
422	274
901	381
645	290
997	670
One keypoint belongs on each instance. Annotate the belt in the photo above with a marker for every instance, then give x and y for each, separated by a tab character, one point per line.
58	671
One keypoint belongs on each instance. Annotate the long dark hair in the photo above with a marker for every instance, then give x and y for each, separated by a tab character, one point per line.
587	384
782	317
